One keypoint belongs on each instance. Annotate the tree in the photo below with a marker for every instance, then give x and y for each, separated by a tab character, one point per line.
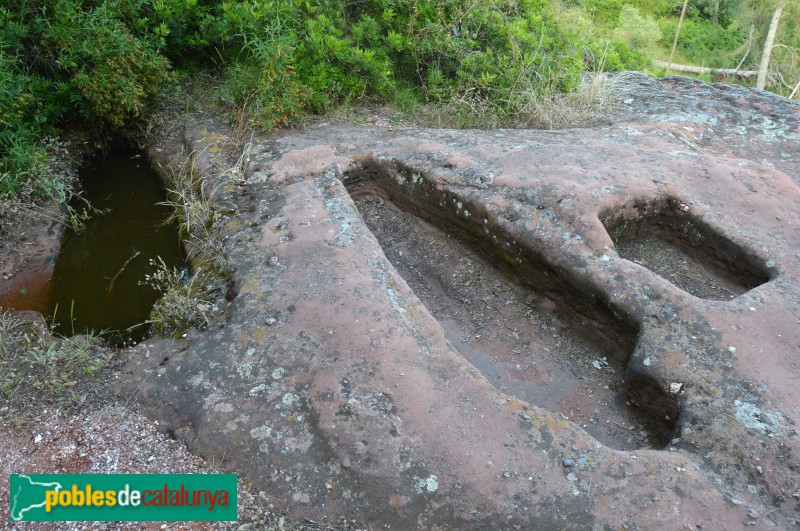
677	35
769	44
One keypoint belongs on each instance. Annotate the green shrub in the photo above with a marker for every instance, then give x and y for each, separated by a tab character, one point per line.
22	152
321	54
115	78
717	13
263	78
705	43
604	12
23	158
67	62
637	31
96	63
613	56
337	66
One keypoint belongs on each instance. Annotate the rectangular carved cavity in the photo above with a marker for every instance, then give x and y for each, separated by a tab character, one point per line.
535	334
665	237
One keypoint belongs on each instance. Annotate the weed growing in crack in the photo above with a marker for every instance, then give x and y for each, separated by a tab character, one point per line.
197	214
618	233
186	299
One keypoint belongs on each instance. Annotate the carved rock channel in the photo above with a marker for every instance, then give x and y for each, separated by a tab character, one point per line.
575	354
664	236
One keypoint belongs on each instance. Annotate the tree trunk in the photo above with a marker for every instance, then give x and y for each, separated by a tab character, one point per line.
796	88
677	34
768	45
704	70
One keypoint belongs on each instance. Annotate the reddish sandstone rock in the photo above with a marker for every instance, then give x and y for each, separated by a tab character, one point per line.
333	387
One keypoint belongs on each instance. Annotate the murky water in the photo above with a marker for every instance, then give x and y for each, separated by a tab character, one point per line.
96	281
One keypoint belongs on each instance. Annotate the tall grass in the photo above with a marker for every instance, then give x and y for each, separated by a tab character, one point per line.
187	298
197	213
588	104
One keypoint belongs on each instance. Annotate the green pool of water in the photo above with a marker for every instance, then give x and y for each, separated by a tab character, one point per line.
96	284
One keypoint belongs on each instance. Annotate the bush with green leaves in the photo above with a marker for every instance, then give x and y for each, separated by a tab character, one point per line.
707	44
22	150
262	79
100	69
288	56
68	63
94	64
639	32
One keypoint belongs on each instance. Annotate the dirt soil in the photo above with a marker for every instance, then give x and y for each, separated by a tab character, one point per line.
679	268
113	438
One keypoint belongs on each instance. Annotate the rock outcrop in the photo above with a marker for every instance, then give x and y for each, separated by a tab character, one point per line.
335	389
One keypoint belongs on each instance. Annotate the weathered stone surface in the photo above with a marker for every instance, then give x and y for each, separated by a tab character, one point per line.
27	256
330	385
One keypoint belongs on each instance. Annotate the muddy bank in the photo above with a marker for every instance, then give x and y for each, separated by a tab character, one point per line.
28	252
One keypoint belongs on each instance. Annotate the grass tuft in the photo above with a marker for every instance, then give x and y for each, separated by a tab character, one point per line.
587	105
37	365
186	299
466	112
198	214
